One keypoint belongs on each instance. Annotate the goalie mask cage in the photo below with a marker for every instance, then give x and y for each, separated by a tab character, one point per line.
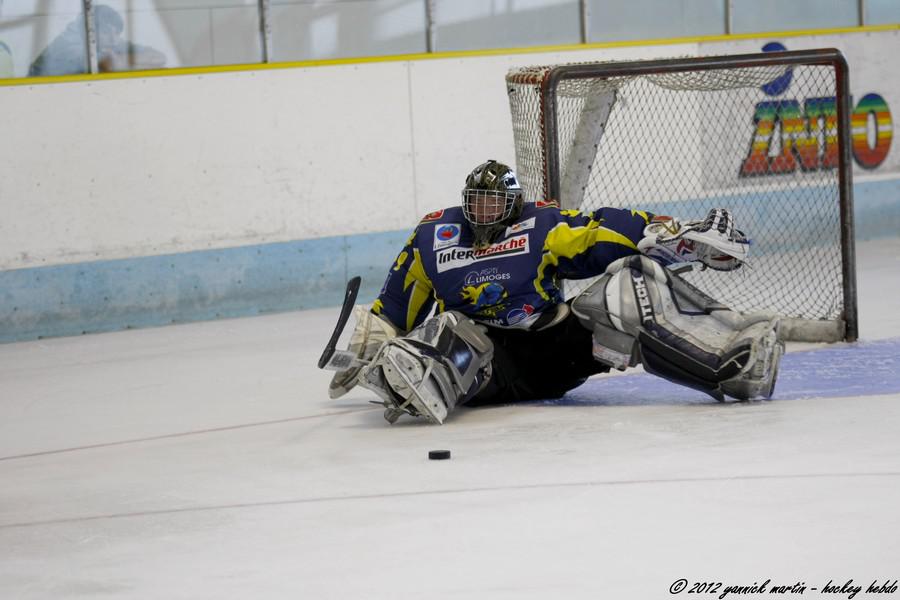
764	135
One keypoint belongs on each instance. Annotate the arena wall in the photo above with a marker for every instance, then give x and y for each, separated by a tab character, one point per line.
150	200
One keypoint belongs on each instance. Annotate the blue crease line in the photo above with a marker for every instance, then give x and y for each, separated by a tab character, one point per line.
841	370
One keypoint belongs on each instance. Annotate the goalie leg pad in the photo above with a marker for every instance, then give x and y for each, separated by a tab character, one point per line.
428	373
641	313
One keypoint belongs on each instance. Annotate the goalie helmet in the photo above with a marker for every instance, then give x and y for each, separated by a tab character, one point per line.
491	200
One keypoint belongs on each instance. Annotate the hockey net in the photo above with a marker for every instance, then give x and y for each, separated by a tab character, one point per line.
765	136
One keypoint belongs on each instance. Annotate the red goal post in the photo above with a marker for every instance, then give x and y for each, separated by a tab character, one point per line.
766	135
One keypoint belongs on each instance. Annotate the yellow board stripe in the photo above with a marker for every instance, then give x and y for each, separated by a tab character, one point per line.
438	55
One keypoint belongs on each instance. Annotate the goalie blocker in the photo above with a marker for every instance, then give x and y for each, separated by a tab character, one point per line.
641	313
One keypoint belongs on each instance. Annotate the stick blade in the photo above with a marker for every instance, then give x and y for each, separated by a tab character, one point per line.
349	300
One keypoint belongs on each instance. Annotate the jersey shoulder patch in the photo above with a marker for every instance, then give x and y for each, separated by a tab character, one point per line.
433	216
521	226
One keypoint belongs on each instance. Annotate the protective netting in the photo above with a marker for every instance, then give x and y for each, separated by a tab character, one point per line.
761	141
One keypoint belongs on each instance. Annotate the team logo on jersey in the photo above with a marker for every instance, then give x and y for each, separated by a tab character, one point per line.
484	295
453	258
446	235
433	216
546	204
486	275
517	315
521	226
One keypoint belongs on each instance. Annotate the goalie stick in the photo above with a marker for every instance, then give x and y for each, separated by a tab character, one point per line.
349	301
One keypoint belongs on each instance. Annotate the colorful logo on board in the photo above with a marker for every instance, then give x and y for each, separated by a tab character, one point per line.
807	130
780	84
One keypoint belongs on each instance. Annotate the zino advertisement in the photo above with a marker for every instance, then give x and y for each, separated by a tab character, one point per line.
790	132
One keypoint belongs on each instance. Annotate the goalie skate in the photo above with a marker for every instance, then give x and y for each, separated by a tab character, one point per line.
759	376
410	378
429	372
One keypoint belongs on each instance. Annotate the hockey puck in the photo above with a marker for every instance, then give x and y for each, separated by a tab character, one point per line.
438	454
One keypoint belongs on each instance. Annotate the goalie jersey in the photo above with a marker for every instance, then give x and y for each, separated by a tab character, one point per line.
512	281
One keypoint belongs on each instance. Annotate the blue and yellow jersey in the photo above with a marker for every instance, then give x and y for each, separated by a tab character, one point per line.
512	281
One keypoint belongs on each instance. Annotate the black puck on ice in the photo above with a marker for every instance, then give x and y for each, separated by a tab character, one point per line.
438	454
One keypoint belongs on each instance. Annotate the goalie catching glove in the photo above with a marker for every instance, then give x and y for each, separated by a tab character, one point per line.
714	241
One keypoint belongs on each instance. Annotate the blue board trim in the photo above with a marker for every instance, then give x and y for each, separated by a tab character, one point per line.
192	286
147	291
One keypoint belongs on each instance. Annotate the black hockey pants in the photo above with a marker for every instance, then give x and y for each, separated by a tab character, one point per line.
538	365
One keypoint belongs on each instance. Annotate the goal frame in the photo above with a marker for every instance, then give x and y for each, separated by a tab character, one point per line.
819	57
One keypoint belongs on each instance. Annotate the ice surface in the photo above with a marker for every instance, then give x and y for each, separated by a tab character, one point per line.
206	461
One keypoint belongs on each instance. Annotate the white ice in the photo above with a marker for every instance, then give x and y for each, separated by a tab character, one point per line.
206	461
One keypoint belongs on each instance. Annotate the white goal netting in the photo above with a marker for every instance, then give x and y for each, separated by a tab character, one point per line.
759	140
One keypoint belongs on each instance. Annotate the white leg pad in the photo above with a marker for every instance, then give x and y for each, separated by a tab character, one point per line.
641	313
428	373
